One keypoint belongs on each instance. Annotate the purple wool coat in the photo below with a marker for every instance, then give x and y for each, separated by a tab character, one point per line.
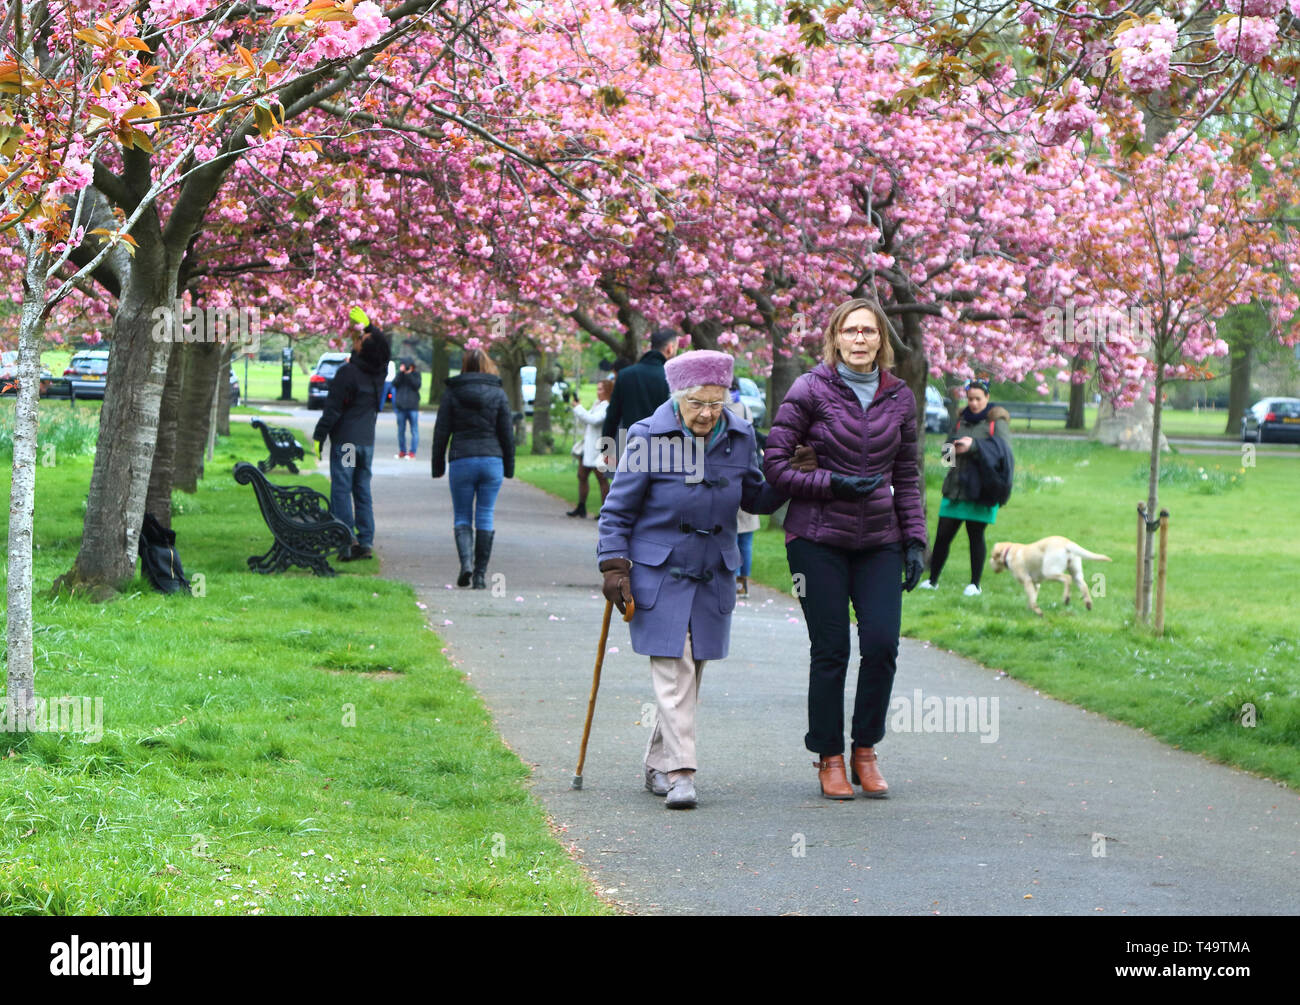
823	412
681	535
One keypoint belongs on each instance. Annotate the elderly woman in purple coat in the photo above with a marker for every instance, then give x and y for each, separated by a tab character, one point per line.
852	527
668	543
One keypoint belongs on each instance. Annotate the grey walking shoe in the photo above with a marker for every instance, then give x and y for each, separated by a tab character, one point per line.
681	791
656	782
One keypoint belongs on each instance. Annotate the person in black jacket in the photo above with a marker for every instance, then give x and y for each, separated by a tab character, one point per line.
475	416
349	422
406	403
641	388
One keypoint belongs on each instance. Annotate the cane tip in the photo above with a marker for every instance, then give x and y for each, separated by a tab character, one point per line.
576	783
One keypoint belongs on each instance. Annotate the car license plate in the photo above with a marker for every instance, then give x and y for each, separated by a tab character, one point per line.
92	376
1291	418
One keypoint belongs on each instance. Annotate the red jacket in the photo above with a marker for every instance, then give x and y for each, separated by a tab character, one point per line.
822	411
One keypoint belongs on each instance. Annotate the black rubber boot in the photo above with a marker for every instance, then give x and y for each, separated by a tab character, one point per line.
581	511
465	549
482	552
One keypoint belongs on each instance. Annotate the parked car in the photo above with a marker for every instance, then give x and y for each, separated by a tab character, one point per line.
88	370
528	382
318	385
752	395
936	415
234	388
1272	419
9	375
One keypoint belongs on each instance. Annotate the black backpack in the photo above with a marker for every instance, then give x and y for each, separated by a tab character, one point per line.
158	558
996	467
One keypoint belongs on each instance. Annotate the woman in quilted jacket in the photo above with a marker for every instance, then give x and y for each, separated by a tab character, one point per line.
853	525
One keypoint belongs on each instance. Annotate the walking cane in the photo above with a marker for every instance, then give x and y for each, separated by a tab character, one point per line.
595	686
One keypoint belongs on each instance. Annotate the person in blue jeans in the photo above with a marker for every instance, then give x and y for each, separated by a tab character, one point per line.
348	420
474	427
406	403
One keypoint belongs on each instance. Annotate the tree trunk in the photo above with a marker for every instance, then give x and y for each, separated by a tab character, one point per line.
543	437
1153	499
20	679
1243	358
440	369
128	424
202	364
158	500
1076	417
704	334
911	366
222	389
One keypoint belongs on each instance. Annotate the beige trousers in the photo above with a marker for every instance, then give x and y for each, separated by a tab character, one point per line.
677	691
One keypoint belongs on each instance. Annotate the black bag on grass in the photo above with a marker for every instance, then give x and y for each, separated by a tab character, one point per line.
158	558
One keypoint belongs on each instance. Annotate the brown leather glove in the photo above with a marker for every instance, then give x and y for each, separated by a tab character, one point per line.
804	458
618	582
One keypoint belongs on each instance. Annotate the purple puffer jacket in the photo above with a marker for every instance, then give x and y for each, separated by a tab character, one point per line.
823	412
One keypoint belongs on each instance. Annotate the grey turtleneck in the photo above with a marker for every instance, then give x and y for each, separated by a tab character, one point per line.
864	385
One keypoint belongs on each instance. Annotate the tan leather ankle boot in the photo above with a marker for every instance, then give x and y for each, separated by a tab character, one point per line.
830	772
866	774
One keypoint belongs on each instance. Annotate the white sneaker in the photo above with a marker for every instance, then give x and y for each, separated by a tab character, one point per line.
925	584
971	590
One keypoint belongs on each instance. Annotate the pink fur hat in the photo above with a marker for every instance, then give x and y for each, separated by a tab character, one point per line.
701	366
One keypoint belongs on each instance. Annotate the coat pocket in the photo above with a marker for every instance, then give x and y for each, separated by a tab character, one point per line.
649	568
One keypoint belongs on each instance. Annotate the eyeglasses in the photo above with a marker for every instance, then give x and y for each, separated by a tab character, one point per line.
705	406
853	334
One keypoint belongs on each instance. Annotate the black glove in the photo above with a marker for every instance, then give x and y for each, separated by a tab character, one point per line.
853	486
913	563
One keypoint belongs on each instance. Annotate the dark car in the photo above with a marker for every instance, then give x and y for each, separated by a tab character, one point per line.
318	385
1272	419
88	370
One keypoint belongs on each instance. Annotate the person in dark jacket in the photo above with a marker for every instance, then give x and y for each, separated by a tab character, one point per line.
976	424
853	525
348	420
475	416
406	404
641	388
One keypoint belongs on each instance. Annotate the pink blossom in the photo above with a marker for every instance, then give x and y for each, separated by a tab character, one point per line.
1145	51
1250	39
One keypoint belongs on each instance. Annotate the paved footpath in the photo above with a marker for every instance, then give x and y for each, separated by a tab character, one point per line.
1066	813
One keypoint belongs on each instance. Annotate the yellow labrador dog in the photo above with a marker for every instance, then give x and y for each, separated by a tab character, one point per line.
1056	558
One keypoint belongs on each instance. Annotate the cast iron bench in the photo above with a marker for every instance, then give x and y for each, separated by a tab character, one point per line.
1032	410
305	531
283	447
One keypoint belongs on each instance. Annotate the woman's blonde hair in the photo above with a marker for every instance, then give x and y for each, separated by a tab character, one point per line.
830	351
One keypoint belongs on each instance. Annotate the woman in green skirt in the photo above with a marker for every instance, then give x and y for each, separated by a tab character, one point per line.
976	423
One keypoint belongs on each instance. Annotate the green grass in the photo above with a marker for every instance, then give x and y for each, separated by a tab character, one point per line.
1230	636
278	745
1202	424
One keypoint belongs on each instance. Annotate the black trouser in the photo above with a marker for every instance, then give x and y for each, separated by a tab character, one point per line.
943	541
831	578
